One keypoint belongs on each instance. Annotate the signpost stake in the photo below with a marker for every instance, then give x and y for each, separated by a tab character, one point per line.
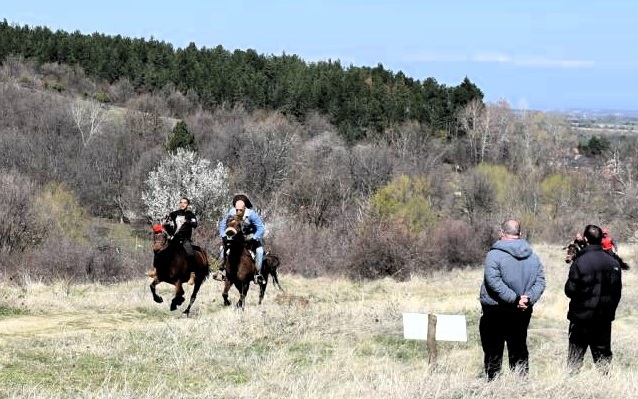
431	340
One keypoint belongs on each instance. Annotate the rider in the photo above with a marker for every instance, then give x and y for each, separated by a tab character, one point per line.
184	221
253	228
608	243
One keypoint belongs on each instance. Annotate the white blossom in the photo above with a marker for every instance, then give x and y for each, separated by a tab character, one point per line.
184	174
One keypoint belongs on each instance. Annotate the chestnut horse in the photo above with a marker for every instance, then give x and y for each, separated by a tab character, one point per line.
240	266
171	264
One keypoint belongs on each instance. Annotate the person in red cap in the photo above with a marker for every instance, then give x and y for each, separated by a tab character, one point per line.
608	242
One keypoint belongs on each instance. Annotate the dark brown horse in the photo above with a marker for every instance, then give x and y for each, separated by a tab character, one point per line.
574	248
171	264
240	266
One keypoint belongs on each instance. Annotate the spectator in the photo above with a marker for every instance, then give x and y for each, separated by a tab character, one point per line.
594	286
513	282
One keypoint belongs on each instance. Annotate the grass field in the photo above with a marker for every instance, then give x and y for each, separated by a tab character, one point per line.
320	338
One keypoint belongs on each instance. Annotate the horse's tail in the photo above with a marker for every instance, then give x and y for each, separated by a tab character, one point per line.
623	264
273	263
202	260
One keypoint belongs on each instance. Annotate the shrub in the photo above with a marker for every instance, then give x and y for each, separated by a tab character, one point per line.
102	97
406	199
22	226
556	193
457	244
53	85
381	251
63	259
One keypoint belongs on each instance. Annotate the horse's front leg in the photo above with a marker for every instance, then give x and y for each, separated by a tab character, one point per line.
227	286
198	283
178	299
243	292
262	288
156	297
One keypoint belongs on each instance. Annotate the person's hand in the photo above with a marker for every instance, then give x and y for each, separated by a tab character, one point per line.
523	303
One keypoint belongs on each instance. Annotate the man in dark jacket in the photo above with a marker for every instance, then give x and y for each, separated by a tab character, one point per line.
183	221
594	287
513	282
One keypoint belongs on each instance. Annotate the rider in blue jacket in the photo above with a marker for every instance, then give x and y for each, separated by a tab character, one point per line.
253	229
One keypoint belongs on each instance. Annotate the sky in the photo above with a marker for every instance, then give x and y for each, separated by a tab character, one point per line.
543	54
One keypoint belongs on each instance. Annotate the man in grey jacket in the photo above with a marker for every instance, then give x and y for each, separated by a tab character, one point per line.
513	282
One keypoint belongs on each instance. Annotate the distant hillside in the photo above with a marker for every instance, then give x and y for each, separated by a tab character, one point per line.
360	101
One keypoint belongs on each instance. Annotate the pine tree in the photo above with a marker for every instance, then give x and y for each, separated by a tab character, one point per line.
181	138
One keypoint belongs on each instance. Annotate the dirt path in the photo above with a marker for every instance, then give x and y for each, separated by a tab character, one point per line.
20	327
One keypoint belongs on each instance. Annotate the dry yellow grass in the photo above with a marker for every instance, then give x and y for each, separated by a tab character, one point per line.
322	338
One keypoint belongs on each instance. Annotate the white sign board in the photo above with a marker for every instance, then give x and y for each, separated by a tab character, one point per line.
448	327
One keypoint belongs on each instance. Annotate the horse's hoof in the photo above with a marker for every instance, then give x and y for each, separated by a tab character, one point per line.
173	306
158	299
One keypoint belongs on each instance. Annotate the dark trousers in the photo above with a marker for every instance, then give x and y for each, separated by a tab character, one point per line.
190	254
188	247
500	325
595	335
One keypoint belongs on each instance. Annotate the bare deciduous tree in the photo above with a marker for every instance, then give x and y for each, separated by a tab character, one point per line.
416	149
266	154
88	116
321	198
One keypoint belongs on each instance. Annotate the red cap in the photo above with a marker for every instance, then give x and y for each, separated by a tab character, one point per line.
157	228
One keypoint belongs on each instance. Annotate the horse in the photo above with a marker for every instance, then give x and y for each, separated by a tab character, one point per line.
171	264
240	266
574	247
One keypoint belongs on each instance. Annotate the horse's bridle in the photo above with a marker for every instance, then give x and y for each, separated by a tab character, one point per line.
166	243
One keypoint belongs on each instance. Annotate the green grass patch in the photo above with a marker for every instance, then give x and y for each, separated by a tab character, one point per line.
8	311
393	346
309	353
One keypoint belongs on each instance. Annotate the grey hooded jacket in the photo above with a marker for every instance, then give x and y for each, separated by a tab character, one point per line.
512	270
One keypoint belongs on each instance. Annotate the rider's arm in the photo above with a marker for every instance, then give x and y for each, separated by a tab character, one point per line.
259	225
192	220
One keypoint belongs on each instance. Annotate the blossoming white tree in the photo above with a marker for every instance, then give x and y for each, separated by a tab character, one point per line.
184	174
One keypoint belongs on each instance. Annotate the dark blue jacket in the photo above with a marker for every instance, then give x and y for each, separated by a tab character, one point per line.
594	286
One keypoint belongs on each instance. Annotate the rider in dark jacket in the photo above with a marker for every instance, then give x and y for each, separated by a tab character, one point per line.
183	221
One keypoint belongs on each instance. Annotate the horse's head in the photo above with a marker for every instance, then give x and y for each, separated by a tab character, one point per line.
233	228
572	249
160	238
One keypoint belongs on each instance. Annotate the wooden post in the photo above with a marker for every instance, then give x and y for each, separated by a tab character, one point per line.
431	340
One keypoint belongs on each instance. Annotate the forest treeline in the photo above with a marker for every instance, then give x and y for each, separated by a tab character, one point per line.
356	171
358	100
